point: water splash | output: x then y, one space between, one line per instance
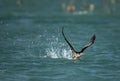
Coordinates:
56 49
58 53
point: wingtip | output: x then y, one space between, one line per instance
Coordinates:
94 36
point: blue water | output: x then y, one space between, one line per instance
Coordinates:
32 47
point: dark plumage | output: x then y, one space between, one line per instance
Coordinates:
80 53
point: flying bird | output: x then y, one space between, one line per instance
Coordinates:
76 54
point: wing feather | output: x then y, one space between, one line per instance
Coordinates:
89 43
71 47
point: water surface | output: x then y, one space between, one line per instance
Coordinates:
32 47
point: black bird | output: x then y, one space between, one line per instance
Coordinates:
76 54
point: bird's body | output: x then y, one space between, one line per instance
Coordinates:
77 55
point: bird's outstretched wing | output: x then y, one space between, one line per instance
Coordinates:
71 47
89 43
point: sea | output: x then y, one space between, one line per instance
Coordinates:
32 47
